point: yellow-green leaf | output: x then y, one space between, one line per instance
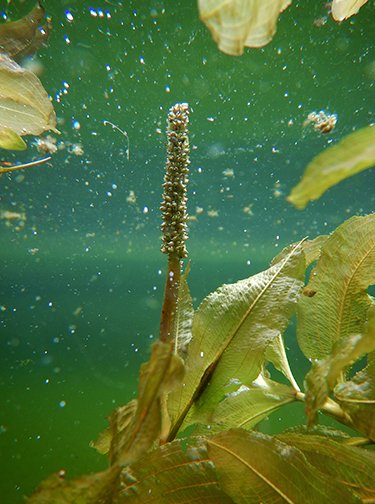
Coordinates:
25 107
11 141
235 25
254 468
352 154
245 315
324 374
336 301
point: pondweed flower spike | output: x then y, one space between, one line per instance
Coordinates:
174 212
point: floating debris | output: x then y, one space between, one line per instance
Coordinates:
322 122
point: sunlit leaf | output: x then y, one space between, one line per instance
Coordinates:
357 398
254 468
342 9
324 374
235 24
311 249
87 489
247 406
173 474
25 107
351 155
345 269
245 315
11 141
350 465
276 354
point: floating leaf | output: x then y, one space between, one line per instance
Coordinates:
253 468
11 141
323 376
345 269
25 107
245 315
351 155
342 9
235 24
330 454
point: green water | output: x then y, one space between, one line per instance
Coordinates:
82 280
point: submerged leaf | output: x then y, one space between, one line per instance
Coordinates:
247 406
345 269
324 374
87 489
163 371
173 474
253 468
11 141
247 316
276 354
25 107
357 398
351 155
24 37
342 9
235 24
349 465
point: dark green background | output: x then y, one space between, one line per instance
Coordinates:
99 252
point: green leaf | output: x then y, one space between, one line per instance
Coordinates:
133 432
25 107
351 155
245 315
276 354
11 141
247 406
173 474
24 37
338 307
254 468
357 398
87 489
350 465
324 374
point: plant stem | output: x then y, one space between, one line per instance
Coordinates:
332 409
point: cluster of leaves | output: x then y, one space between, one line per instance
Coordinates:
25 107
213 377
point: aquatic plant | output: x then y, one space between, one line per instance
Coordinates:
208 372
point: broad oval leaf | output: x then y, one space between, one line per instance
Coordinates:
345 269
25 107
342 9
236 24
354 153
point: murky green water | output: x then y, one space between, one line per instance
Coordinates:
82 277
